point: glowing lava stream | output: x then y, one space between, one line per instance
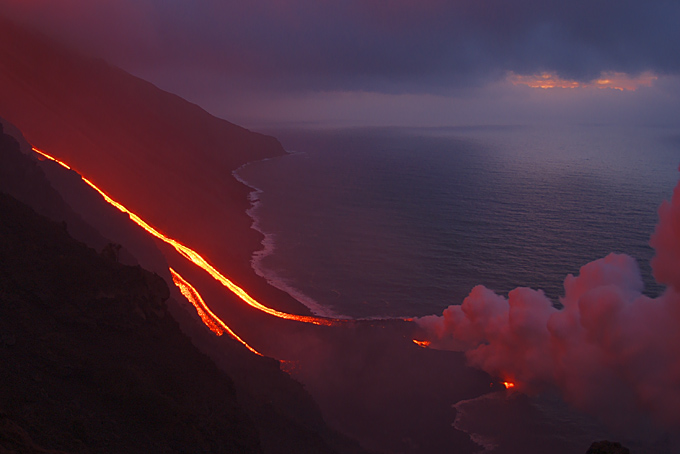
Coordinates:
196 258
209 318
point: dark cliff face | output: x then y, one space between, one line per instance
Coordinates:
20 177
92 362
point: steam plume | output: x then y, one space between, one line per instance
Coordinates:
611 350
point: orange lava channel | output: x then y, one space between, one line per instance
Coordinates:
196 258
420 343
508 384
211 320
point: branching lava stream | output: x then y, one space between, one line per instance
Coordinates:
198 260
209 318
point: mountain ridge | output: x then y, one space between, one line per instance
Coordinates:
164 158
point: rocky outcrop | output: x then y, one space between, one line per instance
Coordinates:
607 447
91 360
20 177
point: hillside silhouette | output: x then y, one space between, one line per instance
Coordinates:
93 360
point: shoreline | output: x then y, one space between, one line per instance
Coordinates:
268 244
164 158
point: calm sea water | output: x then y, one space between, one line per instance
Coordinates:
404 222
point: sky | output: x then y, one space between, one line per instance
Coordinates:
402 62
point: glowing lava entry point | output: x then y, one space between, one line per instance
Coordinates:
423 344
196 258
211 320
508 384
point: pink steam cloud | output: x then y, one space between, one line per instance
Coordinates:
611 351
666 243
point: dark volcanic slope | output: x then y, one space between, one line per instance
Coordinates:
91 360
164 158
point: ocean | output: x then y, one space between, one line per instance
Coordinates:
403 222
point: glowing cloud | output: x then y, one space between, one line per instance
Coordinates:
613 80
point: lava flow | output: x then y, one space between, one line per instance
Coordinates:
196 258
508 384
209 318
420 343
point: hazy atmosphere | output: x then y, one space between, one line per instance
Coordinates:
424 227
431 63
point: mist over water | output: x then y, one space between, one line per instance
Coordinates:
405 222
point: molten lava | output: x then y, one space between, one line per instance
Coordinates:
420 343
508 384
211 320
196 258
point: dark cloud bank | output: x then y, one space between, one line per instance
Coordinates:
399 46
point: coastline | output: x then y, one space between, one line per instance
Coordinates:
268 244
164 158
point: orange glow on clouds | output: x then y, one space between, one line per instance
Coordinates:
199 261
613 80
209 318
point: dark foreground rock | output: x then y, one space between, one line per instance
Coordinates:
91 361
607 447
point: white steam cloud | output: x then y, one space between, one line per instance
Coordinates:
611 350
